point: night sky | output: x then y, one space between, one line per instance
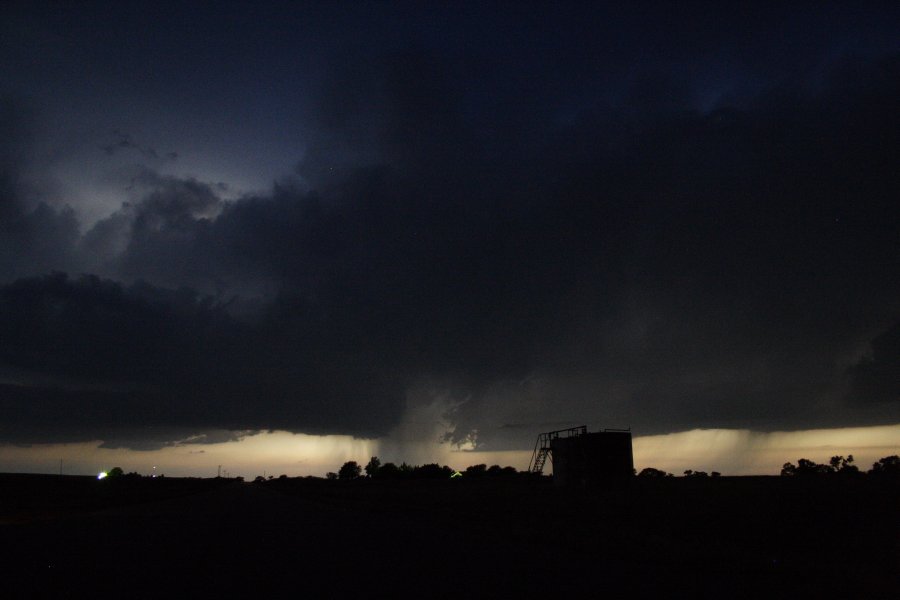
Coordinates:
333 218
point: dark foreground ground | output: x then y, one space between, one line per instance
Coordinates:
725 537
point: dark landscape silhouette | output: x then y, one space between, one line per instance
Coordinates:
431 531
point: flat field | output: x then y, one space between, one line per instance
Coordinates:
488 537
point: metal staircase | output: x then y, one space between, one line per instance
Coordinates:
542 446
538 460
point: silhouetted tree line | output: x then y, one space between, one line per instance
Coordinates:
261 479
889 466
701 474
374 469
492 471
650 473
116 473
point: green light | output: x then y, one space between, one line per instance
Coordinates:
455 475
101 475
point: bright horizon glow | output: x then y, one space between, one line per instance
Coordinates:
745 452
729 451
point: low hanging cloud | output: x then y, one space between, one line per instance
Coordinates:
91 359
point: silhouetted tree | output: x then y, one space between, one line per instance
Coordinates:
115 472
843 466
331 475
259 479
690 473
373 466
432 471
889 466
651 472
387 471
806 468
350 470
475 470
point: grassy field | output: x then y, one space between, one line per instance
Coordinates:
489 537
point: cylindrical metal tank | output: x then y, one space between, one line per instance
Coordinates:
593 459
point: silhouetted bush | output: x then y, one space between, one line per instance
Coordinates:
331 475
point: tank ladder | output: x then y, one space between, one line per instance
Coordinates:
542 446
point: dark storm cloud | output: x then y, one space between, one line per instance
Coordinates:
35 236
876 378
543 234
96 360
124 141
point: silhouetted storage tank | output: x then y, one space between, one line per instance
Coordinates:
592 459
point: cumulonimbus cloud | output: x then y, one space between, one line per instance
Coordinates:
713 269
